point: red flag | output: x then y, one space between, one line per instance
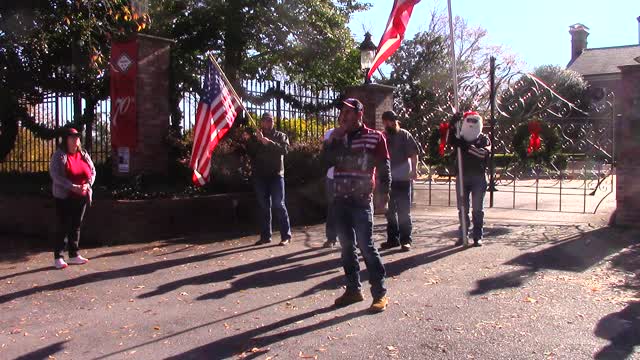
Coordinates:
216 113
124 70
393 35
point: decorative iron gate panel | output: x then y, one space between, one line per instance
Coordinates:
579 179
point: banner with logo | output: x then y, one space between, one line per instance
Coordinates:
124 69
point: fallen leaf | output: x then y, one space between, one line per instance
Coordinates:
305 356
530 299
156 328
392 348
184 294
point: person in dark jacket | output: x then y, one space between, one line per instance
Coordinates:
73 174
476 148
266 150
358 154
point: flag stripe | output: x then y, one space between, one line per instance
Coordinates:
216 113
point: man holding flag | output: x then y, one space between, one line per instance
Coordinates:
267 149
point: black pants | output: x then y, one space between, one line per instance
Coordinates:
69 215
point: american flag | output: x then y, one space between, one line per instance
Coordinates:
216 113
394 34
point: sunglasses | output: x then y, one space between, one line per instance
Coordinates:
472 120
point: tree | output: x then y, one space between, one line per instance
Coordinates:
56 46
422 76
306 41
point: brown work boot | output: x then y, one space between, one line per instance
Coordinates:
348 298
379 304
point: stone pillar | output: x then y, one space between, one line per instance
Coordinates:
151 155
376 99
628 164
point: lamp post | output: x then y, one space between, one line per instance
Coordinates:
367 54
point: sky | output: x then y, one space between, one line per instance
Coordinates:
536 30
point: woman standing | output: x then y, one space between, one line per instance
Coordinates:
73 174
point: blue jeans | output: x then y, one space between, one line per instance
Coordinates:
399 224
270 193
331 232
355 228
475 187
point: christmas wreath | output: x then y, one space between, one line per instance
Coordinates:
535 142
436 146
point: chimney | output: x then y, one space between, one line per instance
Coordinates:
579 34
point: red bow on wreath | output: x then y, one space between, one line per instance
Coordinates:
535 142
444 129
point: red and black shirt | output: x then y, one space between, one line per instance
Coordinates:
358 157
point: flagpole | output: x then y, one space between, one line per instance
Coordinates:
456 101
224 77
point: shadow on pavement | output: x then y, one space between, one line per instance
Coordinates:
232 272
576 254
622 328
46 352
260 338
123 272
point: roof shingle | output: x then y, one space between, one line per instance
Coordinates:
605 60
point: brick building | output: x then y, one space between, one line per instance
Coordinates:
600 66
616 69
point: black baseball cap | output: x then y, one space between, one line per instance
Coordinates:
389 115
71 132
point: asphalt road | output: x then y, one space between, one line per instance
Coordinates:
546 286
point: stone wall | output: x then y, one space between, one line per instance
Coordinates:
112 222
628 165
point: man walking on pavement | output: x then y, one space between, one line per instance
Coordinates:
403 150
267 149
358 153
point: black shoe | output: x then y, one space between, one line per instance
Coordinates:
329 244
477 242
387 245
460 242
405 247
262 242
285 242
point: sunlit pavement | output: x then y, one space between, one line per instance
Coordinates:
546 285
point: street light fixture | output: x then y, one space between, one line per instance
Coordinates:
367 54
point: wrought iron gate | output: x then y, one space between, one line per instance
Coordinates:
579 180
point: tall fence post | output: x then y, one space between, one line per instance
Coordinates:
278 105
492 97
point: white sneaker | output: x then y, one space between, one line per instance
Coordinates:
78 260
59 263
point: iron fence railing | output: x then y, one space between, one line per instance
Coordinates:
303 113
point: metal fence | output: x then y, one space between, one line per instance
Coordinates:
303 113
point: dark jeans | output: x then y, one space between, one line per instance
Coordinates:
475 187
399 214
69 215
330 228
270 194
355 228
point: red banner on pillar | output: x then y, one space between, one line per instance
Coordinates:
124 69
